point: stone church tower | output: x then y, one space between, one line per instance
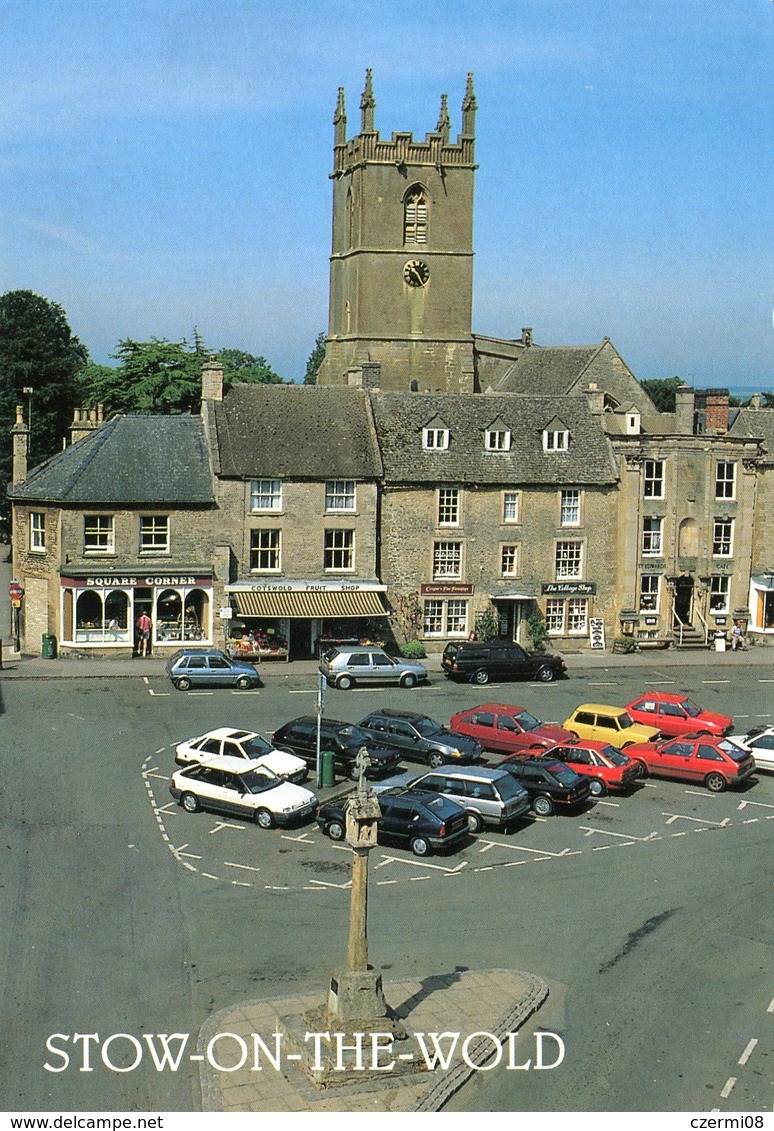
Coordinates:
401 281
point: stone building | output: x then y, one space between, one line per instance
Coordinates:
758 423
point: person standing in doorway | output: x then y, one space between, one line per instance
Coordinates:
144 626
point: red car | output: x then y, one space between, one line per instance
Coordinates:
509 730
675 715
704 759
609 769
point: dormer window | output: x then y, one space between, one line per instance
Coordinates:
556 440
498 440
435 438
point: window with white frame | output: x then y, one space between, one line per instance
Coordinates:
99 534
266 551
498 440
722 537
577 616
509 561
154 534
266 495
456 617
339 552
435 439
511 506
555 608
650 587
653 484
340 495
568 561
652 543
556 440
725 480
447 560
448 506
570 507
433 619
445 618
720 587
37 532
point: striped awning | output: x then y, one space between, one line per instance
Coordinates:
305 606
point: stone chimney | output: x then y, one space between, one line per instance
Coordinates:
717 410
596 398
684 410
755 401
85 420
21 446
526 336
212 379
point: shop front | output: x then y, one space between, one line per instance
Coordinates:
100 611
762 603
294 620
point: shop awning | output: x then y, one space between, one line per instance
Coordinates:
305 606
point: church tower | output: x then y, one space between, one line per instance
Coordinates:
401 279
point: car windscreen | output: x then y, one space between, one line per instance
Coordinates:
256 747
625 720
427 727
614 757
564 774
258 781
734 752
690 708
528 721
508 787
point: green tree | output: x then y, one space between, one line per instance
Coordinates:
315 360
157 376
238 365
662 392
38 351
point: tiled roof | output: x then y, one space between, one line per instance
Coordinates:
296 431
551 369
400 419
757 423
128 460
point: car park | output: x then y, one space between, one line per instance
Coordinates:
208 667
488 795
417 738
703 759
674 715
344 667
253 792
608 724
608 769
760 743
507 730
413 820
550 784
480 663
233 748
344 740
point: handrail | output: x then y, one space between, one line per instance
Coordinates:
704 625
676 619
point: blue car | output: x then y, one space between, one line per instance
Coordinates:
208 667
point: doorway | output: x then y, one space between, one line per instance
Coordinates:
684 599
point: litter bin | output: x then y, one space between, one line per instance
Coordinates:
328 777
48 646
720 642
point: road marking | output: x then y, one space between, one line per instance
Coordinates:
240 884
201 693
716 681
623 836
746 1054
422 864
328 884
251 691
180 853
311 692
542 852
158 694
209 875
699 820
303 837
247 867
762 804
600 683
226 825
771 1006
728 1087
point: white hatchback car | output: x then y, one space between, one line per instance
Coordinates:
760 743
231 749
253 792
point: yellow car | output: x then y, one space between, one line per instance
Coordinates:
608 724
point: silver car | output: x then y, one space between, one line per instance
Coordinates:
488 794
343 667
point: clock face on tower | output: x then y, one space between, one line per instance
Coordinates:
416 273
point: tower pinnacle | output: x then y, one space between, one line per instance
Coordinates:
340 120
444 122
469 107
367 105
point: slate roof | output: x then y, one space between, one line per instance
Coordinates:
127 461
400 419
551 369
757 423
296 432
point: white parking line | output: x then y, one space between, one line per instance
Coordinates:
542 852
699 820
728 1087
226 825
622 836
422 864
247 867
746 1054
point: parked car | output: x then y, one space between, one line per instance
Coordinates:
674 715
488 795
208 667
704 759
480 663
608 769
414 820
551 785
344 666
507 730
608 724
232 748
418 738
760 743
253 792
299 737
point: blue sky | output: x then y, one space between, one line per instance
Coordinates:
164 166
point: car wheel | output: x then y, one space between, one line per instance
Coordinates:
190 803
475 824
543 806
408 680
419 846
244 683
481 676
344 682
435 760
642 769
625 744
546 675
335 830
264 819
597 787
715 783
182 683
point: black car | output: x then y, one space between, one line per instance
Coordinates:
551 785
480 663
419 821
418 738
345 740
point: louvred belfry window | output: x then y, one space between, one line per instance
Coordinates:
415 218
